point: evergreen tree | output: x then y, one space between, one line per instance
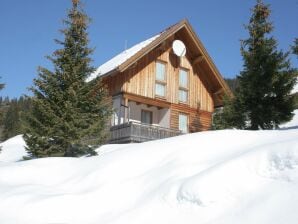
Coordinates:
233 83
12 124
1 87
67 112
295 47
229 116
1 102
263 97
11 121
295 51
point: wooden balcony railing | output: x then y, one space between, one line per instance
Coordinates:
139 132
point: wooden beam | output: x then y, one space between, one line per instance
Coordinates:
198 59
146 100
219 91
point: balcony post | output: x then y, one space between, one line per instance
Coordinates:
126 109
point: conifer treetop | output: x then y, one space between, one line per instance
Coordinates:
263 99
69 115
295 47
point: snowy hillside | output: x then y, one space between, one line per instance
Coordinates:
293 124
218 177
13 149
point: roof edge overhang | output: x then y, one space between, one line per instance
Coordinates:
224 87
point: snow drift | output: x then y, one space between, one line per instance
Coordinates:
13 149
210 177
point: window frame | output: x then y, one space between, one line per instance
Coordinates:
151 116
161 82
187 122
183 88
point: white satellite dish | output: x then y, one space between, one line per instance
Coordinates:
179 48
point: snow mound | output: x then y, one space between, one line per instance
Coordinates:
293 124
209 177
13 149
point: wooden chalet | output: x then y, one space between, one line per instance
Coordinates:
157 94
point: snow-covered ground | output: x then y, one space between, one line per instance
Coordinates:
219 177
12 150
293 124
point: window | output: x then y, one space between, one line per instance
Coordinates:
146 117
183 123
183 85
160 89
160 79
183 95
160 71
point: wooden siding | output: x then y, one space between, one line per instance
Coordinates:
114 83
140 79
197 120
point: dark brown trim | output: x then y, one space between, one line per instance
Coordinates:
146 100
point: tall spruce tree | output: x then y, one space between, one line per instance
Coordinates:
1 85
295 51
295 47
265 84
69 116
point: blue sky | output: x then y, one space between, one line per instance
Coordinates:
29 27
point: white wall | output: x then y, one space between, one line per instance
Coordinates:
164 118
160 117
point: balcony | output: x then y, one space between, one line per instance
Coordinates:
139 132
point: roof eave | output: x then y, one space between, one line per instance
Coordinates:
112 72
204 52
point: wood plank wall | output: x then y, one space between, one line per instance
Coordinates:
139 79
198 120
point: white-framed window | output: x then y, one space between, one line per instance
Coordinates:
183 123
160 79
183 85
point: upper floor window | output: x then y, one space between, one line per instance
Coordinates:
160 79
183 85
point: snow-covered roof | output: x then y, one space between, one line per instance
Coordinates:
120 58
